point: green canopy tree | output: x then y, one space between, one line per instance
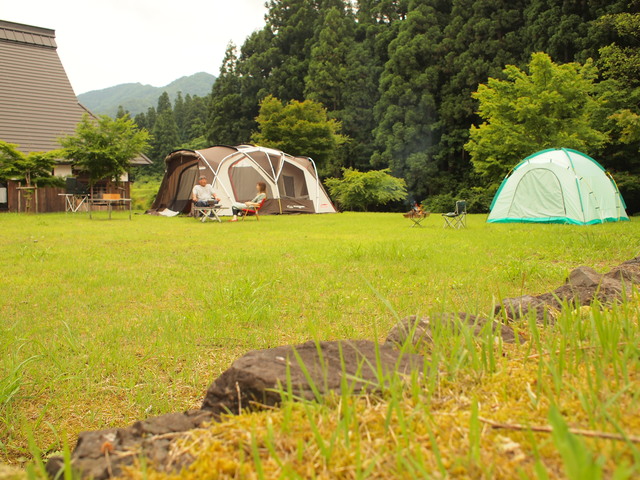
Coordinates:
34 168
299 128
551 106
104 147
366 190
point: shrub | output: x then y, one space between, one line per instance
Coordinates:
366 190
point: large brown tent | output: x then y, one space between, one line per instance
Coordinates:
292 182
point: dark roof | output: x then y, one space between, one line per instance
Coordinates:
37 103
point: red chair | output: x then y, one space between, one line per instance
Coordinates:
253 210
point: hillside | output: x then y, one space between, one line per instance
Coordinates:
137 98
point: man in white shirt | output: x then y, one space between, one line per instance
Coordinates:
203 193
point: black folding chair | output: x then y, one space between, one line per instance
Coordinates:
457 218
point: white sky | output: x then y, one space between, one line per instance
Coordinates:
103 43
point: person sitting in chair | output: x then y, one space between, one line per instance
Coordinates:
203 193
237 207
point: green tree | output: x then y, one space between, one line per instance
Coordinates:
366 190
299 128
552 106
406 134
232 110
165 133
32 167
104 147
481 36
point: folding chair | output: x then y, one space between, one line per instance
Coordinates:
457 218
253 210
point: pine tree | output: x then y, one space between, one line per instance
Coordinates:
406 134
165 133
231 116
481 37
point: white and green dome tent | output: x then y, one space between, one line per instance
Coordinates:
558 186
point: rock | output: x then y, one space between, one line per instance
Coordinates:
419 330
517 307
254 379
102 454
584 277
583 286
627 273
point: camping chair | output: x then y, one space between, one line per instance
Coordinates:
457 218
253 210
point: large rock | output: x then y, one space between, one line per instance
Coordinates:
101 454
255 378
583 286
627 273
419 331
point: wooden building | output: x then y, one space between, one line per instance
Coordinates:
37 106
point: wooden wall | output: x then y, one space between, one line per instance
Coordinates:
49 199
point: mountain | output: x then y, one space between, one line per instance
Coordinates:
137 98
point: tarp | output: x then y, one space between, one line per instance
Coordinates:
293 185
558 186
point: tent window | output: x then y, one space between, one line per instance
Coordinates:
289 186
243 182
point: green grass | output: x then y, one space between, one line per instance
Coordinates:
107 322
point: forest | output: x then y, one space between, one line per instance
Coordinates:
400 79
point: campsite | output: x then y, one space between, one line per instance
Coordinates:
136 318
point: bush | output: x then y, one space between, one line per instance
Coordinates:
478 200
366 190
629 186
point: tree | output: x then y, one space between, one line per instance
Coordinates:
33 167
366 190
552 106
299 128
407 130
231 119
165 133
104 147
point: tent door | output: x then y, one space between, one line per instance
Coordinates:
185 187
538 195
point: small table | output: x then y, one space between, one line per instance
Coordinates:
417 218
73 201
210 212
109 202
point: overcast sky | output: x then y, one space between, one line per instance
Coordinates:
103 43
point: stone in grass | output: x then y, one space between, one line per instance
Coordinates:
102 454
254 379
517 307
627 272
583 286
420 330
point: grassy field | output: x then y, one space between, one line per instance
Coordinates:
107 322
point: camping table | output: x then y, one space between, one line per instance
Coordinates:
417 218
73 201
109 202
210 212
